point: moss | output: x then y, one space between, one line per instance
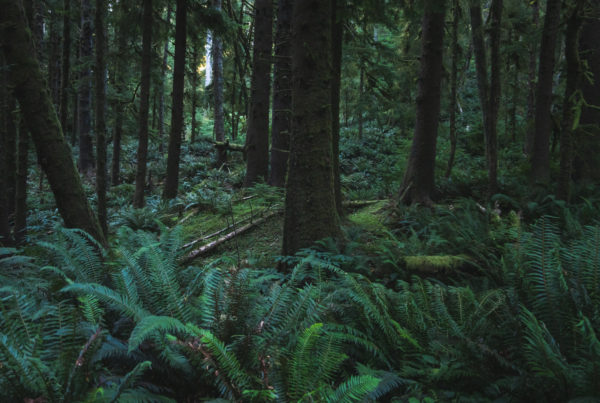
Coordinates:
435 264
369 218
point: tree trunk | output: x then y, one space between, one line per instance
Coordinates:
86 152
540 153
587 146
194 73
32 93
9 155
65 84
495 90
257 137
310 211
217 79
361 90
5 149
453 86
118 105
535 9
418 182
172 181
100 78
570 103
54 59
161 87
142 150
337 7
282 95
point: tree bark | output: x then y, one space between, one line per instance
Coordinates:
142 150
310 211
172 181
540 153
337 7
161 87
257 136
194 73
535 9
5 117
65 84
217 71
32 93
100 81
282 95
570 102
418 183
453 86
118 104
86 152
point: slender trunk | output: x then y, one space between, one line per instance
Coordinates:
65 84
336 83
86 152
495 91
161 88
361 90
570 100
418 183
172 181
5 134
310 211
282 95
540 154
217 79
100 81
142 150
194 73
10 158
535 9
32 93
119 107
453 86
257 137
20 229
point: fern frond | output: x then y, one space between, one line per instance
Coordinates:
354 389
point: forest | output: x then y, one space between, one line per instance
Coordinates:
299 201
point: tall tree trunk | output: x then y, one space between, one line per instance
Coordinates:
172 181
418 183
161 87
32 93
489 91
65 84
310 212
540 153
142 150
54 59
20 228
570 104
217 79
337 7
194 73
86 152
282 95
119 105
535 9
5 150
495 91
10 158
100 81
257 137
453 86
361 91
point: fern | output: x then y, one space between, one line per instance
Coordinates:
354 389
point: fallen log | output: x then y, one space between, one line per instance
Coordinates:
214 234
360 203
228 146
212 245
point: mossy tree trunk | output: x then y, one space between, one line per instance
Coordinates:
142 149
418 182
453 86
531 75
540 153
217 82
100 85
20 228
65 84
310 212
119 82
31 90
337 27
257 137
172 180
282 95
194 74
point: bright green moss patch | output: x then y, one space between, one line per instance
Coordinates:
434 264
369 217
